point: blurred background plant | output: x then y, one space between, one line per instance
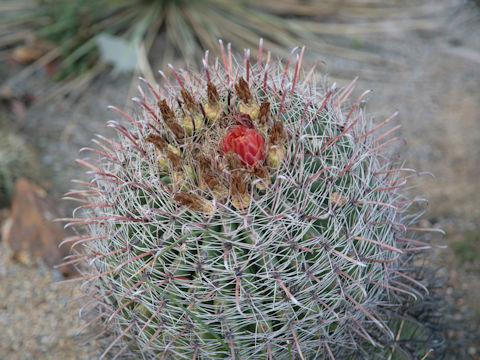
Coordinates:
73 40
17 159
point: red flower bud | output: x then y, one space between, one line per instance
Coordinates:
247 143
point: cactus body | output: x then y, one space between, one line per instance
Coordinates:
248 213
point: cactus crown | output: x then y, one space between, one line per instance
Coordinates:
247 213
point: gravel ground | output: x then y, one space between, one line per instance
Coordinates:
38 316
437 90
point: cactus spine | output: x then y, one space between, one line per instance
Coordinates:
247 213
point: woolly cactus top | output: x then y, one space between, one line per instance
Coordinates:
246 213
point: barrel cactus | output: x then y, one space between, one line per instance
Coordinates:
247 212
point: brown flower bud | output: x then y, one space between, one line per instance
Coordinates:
189 101
263 119
166 111
277 134
169 118
212 93
194 202
175 160
241 199
232 162
260 172
158 140
212 107
243 91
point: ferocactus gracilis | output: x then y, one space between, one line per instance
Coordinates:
248 212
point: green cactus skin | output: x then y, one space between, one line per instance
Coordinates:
305 256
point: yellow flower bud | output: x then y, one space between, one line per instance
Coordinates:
220 192
212 111
241 201
251 109
162 162
162 159
189 173
276 155
182 177
188 125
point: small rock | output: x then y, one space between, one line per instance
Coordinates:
30 231
28 53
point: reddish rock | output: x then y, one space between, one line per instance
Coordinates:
30 231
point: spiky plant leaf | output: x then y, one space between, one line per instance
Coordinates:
71 28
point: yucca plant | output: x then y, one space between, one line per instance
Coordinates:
67 33
249 212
